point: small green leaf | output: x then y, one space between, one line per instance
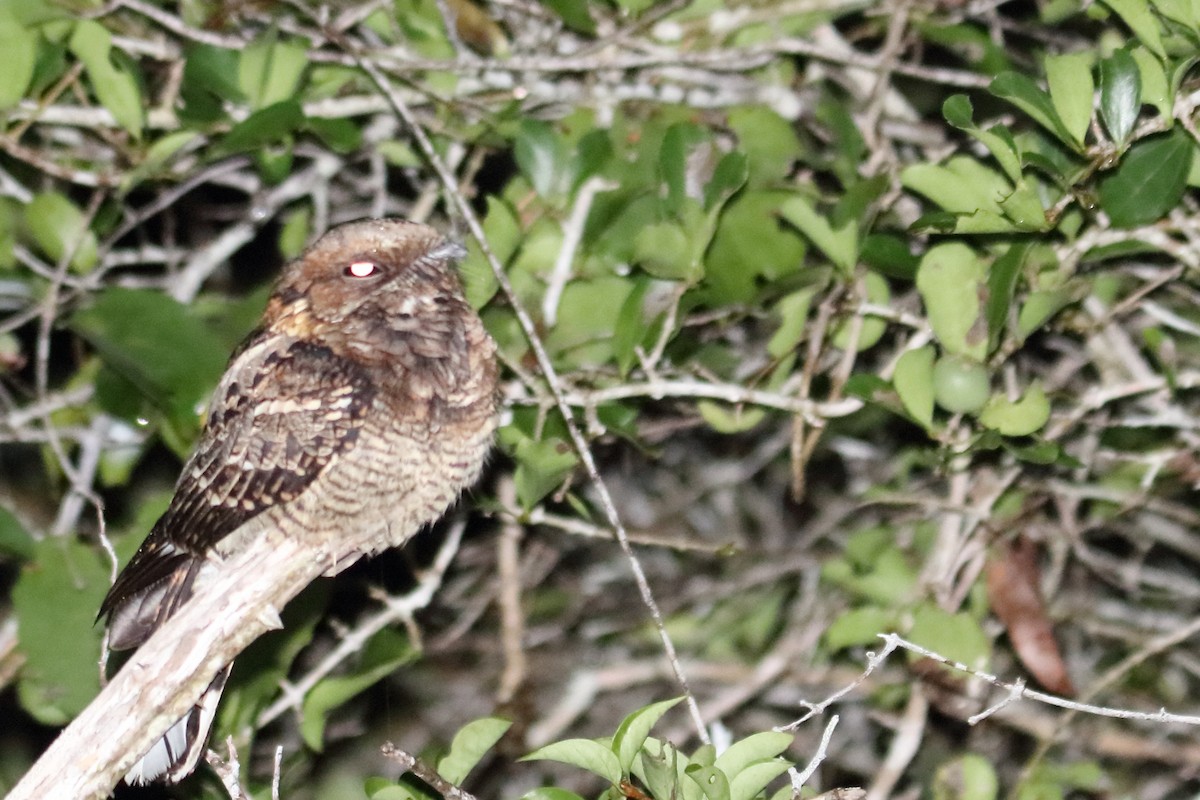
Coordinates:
951 283
55 600
1002 283
913 380
550 793
756 747
1120 95
57 226
859 627
970 777
158 345
386 651
792 311
265 126
469 746
958 112
634 729
115 85
748 783
575 16
1155 88
962 185
728 177
630 328
18 55
543 157
1020 418
1149 181
839 245
269 70
664 250
587 754
769 142
726 419
1021 91
15 541
712 782
678 143
1039 307
1141 20
1069 77
541 468
503 231
957 636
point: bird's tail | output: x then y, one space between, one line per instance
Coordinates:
173 757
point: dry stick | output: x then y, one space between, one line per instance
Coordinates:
508 597
548 371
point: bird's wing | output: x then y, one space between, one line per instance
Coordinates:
278 418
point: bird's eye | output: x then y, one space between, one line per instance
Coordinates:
361 269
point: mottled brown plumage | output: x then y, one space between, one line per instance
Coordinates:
365 402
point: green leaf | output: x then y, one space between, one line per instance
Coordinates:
1069 77
634 729
265 126
725 419
728 177
957 636
769 142
660 767
550 793
664 250
503 231
748 783
386 651
469 746
57 226
269 70
115 86
839 245
712 782
913 380
543 157
582 335
55 600
951 282
18 55
962 185
1021 91
15 541
575 15
1002 283
1140 19
158 345
630 328
859 627
1039 307
1020 418
958 112
587 754
673 161
970 777
1120 95
757 747
792 311
1149 181
541 468
1155 88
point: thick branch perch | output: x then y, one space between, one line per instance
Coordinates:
167 674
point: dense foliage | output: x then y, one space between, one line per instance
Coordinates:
878 318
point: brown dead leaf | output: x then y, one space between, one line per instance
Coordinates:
1013 586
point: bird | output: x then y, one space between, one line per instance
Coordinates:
362 405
